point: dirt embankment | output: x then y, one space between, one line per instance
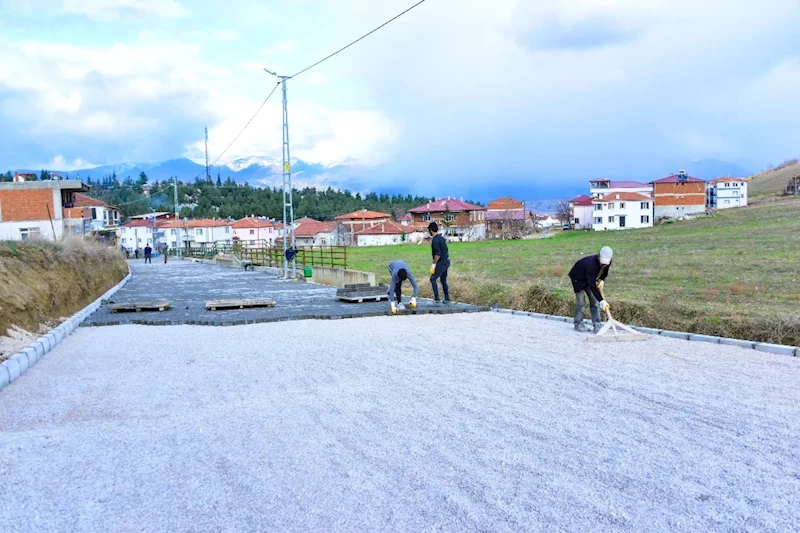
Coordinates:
44 282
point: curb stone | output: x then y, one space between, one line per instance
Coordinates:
765 347
20 362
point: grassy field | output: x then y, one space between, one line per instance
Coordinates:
736 274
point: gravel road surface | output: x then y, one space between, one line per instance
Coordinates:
468 422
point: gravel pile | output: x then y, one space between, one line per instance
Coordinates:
471 422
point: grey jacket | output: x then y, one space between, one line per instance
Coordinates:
394 268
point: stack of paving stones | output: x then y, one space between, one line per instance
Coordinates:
363 291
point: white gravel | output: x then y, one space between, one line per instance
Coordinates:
479 422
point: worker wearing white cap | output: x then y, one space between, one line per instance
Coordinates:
588 277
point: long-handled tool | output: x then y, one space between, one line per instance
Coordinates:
611 329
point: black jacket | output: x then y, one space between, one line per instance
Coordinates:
586 272
439 247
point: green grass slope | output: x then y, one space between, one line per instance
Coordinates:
735 274
773 181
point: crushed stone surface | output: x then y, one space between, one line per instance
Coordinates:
468 422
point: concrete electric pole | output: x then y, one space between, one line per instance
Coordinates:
288 204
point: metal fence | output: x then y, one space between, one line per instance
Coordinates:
260 253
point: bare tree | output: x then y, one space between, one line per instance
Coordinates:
564 213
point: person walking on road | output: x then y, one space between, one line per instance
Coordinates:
400 272
588 277
441 263
165 250
148 254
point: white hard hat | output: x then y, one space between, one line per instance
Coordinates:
605 255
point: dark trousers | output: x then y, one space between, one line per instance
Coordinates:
441 273
594 309
148 259
398 292
165 257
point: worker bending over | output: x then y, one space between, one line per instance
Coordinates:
400 272
441 263
588 277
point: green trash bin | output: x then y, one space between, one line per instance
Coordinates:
307 272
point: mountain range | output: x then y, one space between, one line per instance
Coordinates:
262 171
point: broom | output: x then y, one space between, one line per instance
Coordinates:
611 329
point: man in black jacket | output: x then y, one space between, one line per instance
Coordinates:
441 262
588 277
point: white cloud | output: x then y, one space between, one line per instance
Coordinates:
115 10
60 163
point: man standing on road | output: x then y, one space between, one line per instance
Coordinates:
588 277
441 262
400 272
165 251
148 254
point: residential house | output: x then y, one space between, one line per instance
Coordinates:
103 216
406 220
603 186
546 221
255 231
679 195
723 193
136 234
506 217
205 232
20 177
457 219
793 186
315 233
622 210
147 216
385 234
362 219
41 209
581 212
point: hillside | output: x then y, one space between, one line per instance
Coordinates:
42 282
774 181
735 274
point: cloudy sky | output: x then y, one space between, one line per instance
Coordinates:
457 90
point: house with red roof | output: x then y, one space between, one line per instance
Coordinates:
386 234
255 231
724 193
457 219
103 215
507 218
622 210
362 219
312 232
679 195
581 212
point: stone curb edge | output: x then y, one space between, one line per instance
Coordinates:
19 363
766 347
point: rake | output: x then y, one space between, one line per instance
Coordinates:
614 330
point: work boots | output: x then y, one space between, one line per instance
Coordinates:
581 327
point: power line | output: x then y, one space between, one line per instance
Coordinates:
359 39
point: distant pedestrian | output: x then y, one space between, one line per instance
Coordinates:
148 254
166 252
136 252
441 263
588 277
400 272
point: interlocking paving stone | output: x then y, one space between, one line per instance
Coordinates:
189 285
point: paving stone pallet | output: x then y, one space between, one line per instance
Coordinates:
213 305
138 307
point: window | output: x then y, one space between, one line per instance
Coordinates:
645 205
252 232
727 201
598 220
611 205
449 217
611 219
94 213
577 221
645 219
426 217
227 229
123 240
598 207
172 232
28 233
198 231
622 205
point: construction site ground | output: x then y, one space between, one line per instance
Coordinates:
190 285
463 422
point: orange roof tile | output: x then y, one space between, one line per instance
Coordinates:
364 214
385 228
252 222
83 200
505 203
624 196
313 227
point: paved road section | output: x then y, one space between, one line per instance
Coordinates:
469 422
190 285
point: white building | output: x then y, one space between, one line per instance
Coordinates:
206 231
103 216
136 234
315 233
602 187
622 210
255 231
723 193
386 234
582 211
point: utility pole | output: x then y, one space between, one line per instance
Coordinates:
288 204
208 175
177 222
